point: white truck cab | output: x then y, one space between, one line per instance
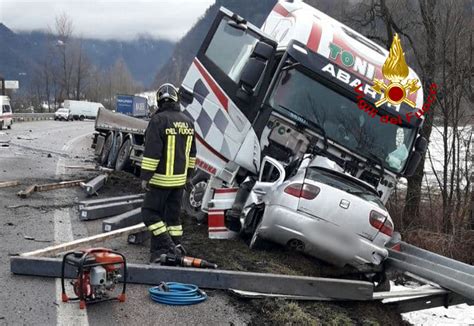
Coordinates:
288 88
6 114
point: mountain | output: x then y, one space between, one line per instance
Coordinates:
185 50
21 53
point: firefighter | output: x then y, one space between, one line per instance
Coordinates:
167 166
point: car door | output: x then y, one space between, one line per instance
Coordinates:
209 92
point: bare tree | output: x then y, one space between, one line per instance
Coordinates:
63 32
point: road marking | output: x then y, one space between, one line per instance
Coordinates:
67 313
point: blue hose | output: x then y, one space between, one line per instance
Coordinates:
177 294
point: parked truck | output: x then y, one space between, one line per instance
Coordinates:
135 106
81 110
278 125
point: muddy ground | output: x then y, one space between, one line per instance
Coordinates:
235 255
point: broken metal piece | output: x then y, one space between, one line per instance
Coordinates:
27 192
108 200
92 186
153 274
109 209
129 218
6 184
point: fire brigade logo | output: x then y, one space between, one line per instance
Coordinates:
395 69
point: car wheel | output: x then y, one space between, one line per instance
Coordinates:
55 118
123 157
257 242
192 200
81 118
9 126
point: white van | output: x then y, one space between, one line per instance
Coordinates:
82 109
6 115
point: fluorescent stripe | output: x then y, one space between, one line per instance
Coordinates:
175 233
159 231
173 151
188 149
170 154
175 228
156 226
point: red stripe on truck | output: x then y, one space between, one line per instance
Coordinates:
215 88
212 150
314 37
281 10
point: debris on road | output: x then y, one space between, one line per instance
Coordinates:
5 184
92 186
46 187
100 208
129 218
81 167
27 237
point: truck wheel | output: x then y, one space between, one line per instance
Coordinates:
82 118
104 155
10 126
192 200
123 157
115 150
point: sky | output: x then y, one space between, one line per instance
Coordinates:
107 19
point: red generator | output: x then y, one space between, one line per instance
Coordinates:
98 272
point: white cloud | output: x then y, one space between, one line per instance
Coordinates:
105 19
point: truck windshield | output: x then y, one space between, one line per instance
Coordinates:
305 99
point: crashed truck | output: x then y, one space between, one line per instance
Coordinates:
283 151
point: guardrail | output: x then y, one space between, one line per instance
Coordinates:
20 117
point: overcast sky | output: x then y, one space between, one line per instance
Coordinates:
106 19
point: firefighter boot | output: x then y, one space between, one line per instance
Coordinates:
161 244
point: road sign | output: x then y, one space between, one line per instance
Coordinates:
12 84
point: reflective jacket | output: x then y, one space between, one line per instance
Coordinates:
170 150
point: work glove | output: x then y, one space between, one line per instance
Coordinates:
189 185
145 185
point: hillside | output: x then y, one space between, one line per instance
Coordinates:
174 70
20 54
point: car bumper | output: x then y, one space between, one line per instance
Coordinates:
321 239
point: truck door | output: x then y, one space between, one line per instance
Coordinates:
210 90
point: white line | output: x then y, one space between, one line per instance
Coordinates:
67 313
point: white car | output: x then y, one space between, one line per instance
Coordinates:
321 211
63 114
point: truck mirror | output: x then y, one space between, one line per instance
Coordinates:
253 69
412 163
251 74
421 144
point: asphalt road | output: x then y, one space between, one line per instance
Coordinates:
40 152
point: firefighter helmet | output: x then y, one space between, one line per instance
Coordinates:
167 93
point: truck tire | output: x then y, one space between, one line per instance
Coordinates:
123 157
104 155
82 118
114 150
10 125
192 199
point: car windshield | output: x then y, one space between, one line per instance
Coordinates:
300 95
340 182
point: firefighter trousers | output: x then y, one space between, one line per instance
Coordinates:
161 214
